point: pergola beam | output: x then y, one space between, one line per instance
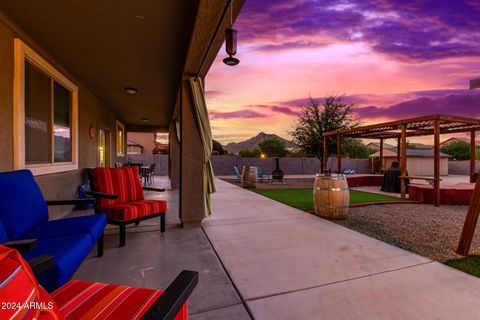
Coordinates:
381 155
419 126
403 165
436 164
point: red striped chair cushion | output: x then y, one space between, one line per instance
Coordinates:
135 209
123 182
20 294
86 300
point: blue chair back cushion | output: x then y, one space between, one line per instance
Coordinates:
3 233
22 205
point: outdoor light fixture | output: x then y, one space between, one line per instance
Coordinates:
231 47
231 42
130 90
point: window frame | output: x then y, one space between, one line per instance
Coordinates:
22 54
120 153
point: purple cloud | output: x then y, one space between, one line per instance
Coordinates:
240 114
410 31
458 104
253 111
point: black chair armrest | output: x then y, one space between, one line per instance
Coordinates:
41 263
173 298
102 195
70 202
154 189
21 245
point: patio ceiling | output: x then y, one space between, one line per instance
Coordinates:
420 126
109 45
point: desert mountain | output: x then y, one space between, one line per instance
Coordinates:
252 143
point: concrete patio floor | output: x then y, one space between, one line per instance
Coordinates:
287 264
261 259
153 260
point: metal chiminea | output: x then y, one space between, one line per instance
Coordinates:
277 174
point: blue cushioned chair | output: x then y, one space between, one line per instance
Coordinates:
237 174
24 215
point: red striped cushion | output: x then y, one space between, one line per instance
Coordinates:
123 182
84 300
20 294
135 209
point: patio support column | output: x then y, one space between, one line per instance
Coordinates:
192 197
381 156
436 163
324 166
174 158
398 149
403 165
339 153
472 155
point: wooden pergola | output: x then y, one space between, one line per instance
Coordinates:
435 125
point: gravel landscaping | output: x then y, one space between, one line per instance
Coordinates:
429 231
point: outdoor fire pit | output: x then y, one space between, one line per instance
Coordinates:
277 173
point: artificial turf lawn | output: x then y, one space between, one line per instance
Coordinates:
469 265
302 199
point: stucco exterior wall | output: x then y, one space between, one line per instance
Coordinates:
91 111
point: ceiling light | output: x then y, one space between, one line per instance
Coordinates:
145 119
130 90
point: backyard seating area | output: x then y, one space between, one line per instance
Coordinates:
55 249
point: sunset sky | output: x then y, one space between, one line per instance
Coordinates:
392 60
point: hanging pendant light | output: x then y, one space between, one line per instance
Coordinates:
231 42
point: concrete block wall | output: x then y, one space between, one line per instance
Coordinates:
160 160
223 165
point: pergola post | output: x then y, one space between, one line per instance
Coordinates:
470 222
403 165
398 149
472 155
324 159
339 154
381 156
436 163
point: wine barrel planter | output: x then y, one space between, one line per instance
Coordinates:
331 196
249 177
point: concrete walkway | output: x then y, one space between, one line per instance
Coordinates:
287 264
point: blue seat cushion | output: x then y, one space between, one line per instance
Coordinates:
3 233
22 205
69 253
92 225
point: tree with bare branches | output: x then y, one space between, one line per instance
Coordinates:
317 117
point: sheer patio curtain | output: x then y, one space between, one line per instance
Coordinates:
203 124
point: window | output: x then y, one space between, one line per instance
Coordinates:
45 115
120 141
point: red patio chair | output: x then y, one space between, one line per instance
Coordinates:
120 196
23 298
